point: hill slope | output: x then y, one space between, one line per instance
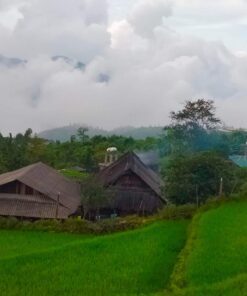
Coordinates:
64 133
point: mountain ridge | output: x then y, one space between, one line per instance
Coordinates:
64 133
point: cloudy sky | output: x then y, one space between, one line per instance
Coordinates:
142 59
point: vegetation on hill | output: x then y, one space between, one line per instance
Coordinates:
81 151
194 178
64 134
194 154
196 161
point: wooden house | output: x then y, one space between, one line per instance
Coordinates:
38 192
136 189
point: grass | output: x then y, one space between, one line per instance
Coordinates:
131 263
221 247
15 243
140 262
214 260
236 286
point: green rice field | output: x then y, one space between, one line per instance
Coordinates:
163 258
217 260
131 263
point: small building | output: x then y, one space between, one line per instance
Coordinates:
239 160
136 188
38 192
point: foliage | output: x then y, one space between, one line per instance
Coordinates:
82 151
131 263
74 174
237 142
76 225
173 212
200 113
194 129
197 177
94 196
82 134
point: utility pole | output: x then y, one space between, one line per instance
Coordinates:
221 187
197 197
57 205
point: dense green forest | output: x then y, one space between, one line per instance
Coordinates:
193 153
23 149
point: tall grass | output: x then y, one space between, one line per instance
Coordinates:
134 262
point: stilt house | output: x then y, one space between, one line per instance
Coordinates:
38 192
136 189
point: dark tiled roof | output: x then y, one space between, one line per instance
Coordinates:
130 161
47 181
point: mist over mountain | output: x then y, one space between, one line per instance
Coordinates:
64 133
11 62
73 62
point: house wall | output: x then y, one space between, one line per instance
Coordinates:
17 187
133 196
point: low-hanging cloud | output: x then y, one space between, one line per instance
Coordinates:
150 68
147 15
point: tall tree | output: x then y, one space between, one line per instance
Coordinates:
191 128
93 197
82 134
198 176
199 113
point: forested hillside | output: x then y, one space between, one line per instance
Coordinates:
64 133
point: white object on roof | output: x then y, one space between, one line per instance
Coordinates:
111 149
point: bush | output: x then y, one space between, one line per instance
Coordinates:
173 212
75 225
9 223
46 225
121 224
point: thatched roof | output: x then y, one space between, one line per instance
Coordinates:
31 207
48 182
130 162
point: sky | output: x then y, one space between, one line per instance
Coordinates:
142 59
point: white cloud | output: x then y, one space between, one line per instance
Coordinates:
77 29
152 68
148 14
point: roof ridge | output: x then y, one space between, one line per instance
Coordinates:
137 166
150 172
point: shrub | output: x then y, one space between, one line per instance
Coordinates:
46 225
173 212
9 223
75 225
121 224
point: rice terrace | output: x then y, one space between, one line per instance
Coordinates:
166 257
